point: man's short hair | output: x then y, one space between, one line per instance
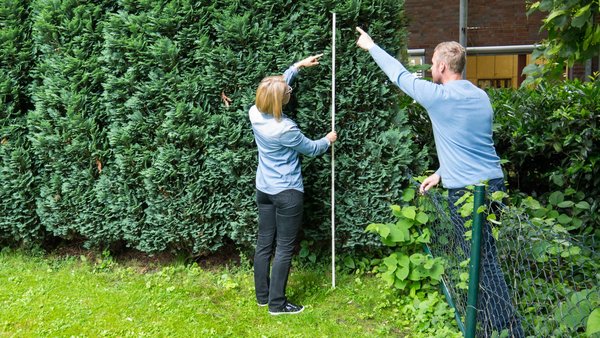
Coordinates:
453 54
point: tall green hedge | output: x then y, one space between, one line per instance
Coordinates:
67 126
19 222
131 141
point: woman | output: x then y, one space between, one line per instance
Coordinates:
279 188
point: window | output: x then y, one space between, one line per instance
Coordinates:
417 61
495 83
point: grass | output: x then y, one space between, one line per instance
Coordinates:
78 296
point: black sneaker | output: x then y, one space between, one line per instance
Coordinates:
288 309
262 304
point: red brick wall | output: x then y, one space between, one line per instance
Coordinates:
431 22
491 22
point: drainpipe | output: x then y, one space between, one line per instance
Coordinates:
462 23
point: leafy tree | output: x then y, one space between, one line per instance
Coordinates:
573 36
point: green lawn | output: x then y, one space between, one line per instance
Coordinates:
63 297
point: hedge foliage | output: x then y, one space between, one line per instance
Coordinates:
550 136
114 128
18 178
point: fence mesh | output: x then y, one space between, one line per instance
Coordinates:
547 281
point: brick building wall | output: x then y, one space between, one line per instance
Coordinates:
490 22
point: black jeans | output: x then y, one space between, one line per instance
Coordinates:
279 220
496 312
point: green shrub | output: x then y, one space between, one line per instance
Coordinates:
407 266
132 140
67 124
19 223
550 136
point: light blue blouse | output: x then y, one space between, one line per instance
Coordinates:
279 145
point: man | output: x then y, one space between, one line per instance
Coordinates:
461 115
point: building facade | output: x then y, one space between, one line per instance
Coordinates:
499 37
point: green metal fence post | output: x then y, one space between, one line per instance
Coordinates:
471 320
447 294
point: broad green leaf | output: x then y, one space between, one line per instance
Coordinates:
593 323
417 259
564 219
388 242
498 195
557 147
404 223
576 223
533 7
583 205
408 195
303 252
565 204
580 21
582 16
466 209
574 311
388 277
558 180
531 69
384 230
437 271
495 233
415 275
553 214
555 14
402 272
400 284
409 212
546 5
424 237
556 197
399 234
463 198
428 264
571 251
391 262
403 260
422 217
349 262
373 227
396 210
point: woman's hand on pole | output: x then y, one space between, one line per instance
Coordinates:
309 61
332 136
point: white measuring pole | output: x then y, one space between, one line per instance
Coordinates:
333 157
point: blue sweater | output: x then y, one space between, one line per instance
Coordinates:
461 116
279 145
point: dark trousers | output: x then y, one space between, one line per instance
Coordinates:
279 220
495 310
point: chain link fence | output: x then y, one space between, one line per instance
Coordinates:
537 279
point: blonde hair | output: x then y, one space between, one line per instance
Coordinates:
269 95
453 54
